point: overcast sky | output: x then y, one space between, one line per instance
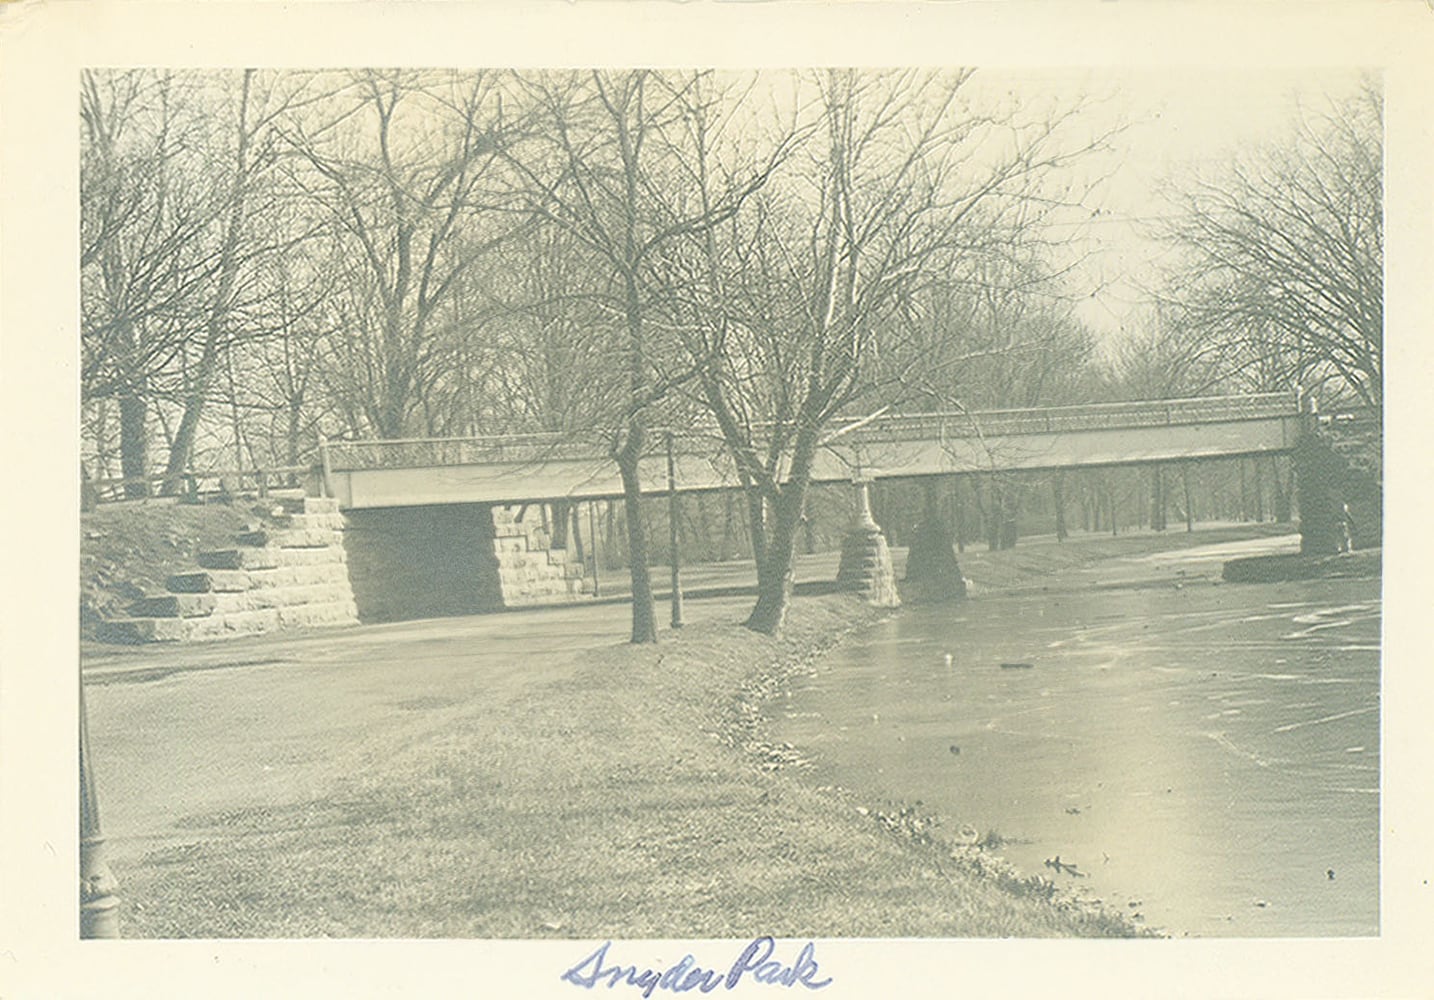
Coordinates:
1176 123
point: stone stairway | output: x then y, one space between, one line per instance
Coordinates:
287 572
528 569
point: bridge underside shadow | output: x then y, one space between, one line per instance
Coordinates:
425 562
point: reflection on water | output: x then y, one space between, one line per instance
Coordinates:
1207 754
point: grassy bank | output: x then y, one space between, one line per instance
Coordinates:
638 797
634 799
128 549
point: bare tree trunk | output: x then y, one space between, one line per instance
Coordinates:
562 516
775 572
1010 509
217 331
1110 501
291 435
1244 491
134 443
960 515
1157 498
577 535
644 617
728 519
1283 490
1259 490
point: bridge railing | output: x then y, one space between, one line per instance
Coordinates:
537 448
1060 419
420 452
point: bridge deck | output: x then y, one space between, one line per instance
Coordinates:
528 467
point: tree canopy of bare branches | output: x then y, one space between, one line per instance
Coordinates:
1287 249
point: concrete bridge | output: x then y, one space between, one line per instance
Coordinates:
526 468
417 528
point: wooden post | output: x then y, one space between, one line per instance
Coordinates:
672 515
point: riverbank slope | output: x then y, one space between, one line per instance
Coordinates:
633 799
633 795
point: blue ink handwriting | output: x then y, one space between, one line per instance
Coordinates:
755 962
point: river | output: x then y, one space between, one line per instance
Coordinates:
1206 755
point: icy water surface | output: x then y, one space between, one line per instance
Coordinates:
1207 754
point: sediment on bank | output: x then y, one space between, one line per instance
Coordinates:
1360 564
637 798
1029 564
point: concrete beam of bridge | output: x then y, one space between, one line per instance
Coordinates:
872 453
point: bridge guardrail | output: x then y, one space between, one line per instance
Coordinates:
556 446
1101 416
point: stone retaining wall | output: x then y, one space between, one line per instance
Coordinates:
289 572
310 565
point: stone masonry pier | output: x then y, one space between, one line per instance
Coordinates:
422 562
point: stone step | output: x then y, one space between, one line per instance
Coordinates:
133 631
300 575
281 597
247 558
310 521
333 555
291 538
173 606
207 581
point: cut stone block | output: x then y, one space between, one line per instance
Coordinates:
310 522
283 597
237 623
300 576
330 556
205 581
291 538
173 606
140 630
250 558
309 615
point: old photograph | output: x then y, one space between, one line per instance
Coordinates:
764 506
422 408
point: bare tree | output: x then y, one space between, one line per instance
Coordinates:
405 170
1288 250
144 258
809 295
606 177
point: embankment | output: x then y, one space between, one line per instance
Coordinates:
638 796
635 798
1360 564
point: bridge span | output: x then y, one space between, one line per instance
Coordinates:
522 468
